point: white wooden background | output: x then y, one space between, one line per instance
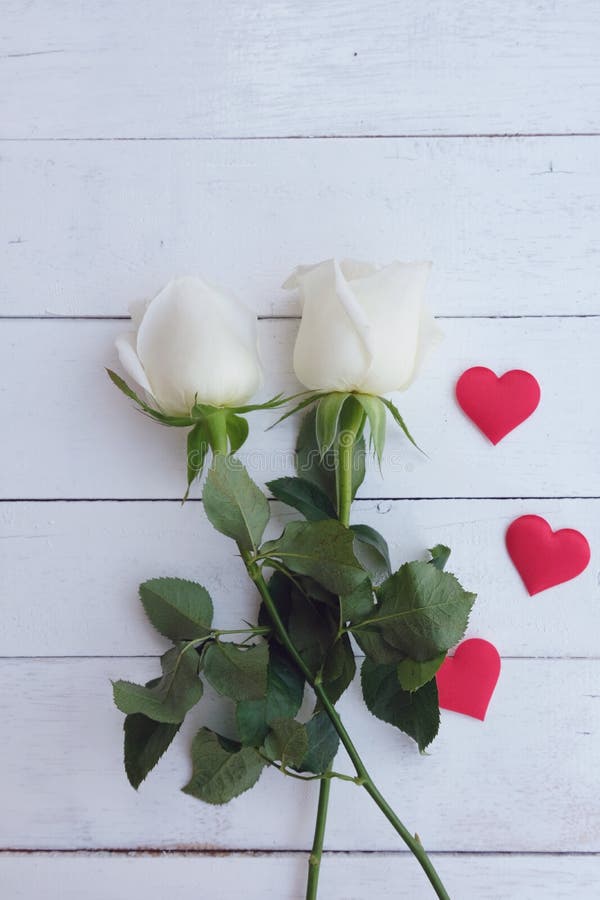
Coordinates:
145 139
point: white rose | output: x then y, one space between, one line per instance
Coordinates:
194 342
363 328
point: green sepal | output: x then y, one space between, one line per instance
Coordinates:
374 408
173 421
237 431
329 409
400 421
198 445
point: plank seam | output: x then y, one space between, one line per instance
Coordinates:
265 852
426 136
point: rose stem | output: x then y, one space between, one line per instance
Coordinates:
351 427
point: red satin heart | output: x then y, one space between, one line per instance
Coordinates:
466 681
542 557
497 405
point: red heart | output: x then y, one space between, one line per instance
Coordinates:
466 681
497 405
542 557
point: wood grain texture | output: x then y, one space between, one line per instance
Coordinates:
511 225
221 68
281 876
80 596
72 435
524 781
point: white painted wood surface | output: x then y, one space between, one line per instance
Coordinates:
91 557
512 225
523 781
343 876
87 440
90 221
220 68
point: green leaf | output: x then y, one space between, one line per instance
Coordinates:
145 743
321 472
322 550
197 448
339 668
376 647
179 609
304 496
287 742
412 674
323 744
399 421
312 631
237 432
372 551
172 696
234 504
237 672
329 408
221 769
416 713
285 690
439 556
358 604
375 410
422 611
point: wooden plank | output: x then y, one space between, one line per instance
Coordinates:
70 571
509 224
224 68
69 434
281 876
525 780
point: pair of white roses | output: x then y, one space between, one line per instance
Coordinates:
363 329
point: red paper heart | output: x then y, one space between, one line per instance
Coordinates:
542 557
466 681
497 405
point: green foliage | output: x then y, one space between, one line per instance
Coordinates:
375 646
329 409
416 713
321 471
287 742
399 421
237 672
237 431
145 742
198 445
170 697
304 496
371 550
339 668
180 610
285 689
412 674
422 611
323 550
358 604
175 421
323 744
439 556
375 411
222 769
234 504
